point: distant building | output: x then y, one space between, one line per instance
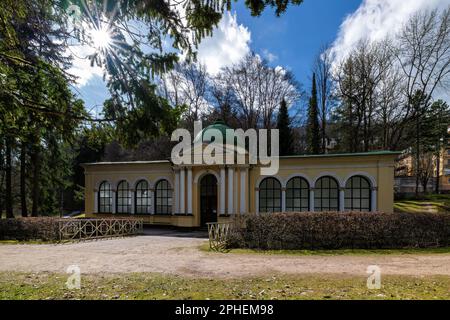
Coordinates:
405 180
444 172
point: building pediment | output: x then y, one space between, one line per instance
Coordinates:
211 153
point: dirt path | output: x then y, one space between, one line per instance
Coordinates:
171 253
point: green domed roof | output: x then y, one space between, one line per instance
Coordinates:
217 125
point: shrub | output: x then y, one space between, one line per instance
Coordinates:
335 230
23 229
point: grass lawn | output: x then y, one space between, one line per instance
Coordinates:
428 203
356 252
6 242
156 286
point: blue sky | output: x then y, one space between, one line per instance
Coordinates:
296 37
291 41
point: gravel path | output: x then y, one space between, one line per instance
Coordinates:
177 253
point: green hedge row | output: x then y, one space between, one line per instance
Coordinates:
335 230
24 229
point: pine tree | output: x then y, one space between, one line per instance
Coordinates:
313 129
283 125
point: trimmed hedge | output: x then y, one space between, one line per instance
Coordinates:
335 230
24 229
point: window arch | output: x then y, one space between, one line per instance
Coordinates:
297 194
163 197
270 195
123 197
142 198
105 198
357 194
326 194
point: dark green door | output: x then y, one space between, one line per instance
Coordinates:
208 199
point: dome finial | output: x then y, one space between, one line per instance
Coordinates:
219 121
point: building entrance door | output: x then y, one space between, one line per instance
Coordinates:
208 200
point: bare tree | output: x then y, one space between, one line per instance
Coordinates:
424 57
225 102
187 84
426 169
390 115
358 80
258 90
323 70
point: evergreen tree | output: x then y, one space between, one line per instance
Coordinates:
284 126
313 129
433 139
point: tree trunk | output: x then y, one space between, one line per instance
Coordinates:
438 168
417 155
324 137
424 185
35 184
9 199
1 202
1 179
23 189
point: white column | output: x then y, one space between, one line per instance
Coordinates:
95 202
256 200
133 203
341 199
176 191
243 195
152 201
182 185
311 200
113 202
230 190
222 190
373 199
189 191
235 192
283 199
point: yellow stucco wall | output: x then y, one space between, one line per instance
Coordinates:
378 168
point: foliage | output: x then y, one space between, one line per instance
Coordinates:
312 127
336 230
258 6
41 112
151 117
41 116
284 126
25 229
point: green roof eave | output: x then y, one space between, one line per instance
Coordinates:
356 154
123 162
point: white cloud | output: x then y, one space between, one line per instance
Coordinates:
376 19
229 43
81 65
269 56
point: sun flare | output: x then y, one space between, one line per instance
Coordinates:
101 37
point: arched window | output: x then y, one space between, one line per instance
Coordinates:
270 195
123 198
297 194
357 194
163 198
143 201
105 198
326 194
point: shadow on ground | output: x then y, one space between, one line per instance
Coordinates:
171 232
